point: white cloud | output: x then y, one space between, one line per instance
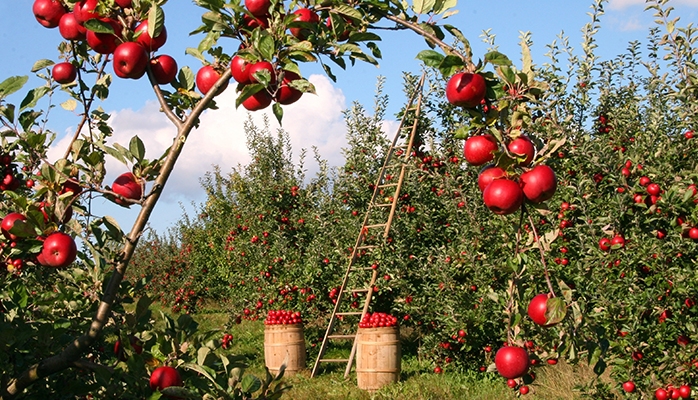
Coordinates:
622 4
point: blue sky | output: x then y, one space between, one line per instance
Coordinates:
315 120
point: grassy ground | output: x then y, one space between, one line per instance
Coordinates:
417 382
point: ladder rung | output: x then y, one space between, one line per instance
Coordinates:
334 360
384 205
349 313
360 290
367 247
386 185
341 336
375 226
362 269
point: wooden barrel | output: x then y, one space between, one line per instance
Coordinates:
378 357
284 343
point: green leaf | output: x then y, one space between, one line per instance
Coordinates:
247 91
113 227
423 6
69 105
33 97
250 384
278 112
11 85
430 58
8 112
364 36
555 311
186 78
497 58
41 64
196 53
201 355
156 20
98 26
137 148
266 46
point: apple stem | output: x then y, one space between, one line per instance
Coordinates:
542 255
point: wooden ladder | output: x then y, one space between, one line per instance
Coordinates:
379 216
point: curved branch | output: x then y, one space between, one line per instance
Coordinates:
161 99
72 352
433 39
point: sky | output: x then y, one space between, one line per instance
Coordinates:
316 120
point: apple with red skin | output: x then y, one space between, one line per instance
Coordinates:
144 39
653 189
479 150
286 94
128 186
257 101
303 15
130 60
123 3
693 233
261 66
64 73
253 22
688 135
618 240
512 383
258 8
522 147
206 78
136 345
539 184
644 181
104 43
465 89
164 377
605 244
511 361
537 308
239 69
164 69
503 196
84 10
661 394
438 370
48 12
58 251
70 28
488 174
629 386
524 390
344 35
685 391
8 222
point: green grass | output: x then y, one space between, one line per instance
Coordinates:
417 381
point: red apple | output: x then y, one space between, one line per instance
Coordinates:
511 361
488 174
307 16
618 240
164 377
252 22
144 39
537 308
206 78
70 28
629 386
261 66
123 3
522 147
341 36
465 89
58 251
130 60
503 196
8 222
285 93
84 10
239 68
605 244
48 12
164 69
128 186
258 8
653 189
644 181
479 150
693 233
257 101
688 135
104 43
685 391
661 394
539 184
64 72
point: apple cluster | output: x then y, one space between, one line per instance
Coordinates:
670 392
117 31
283 317
227 339
378 320
502 191
10 178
